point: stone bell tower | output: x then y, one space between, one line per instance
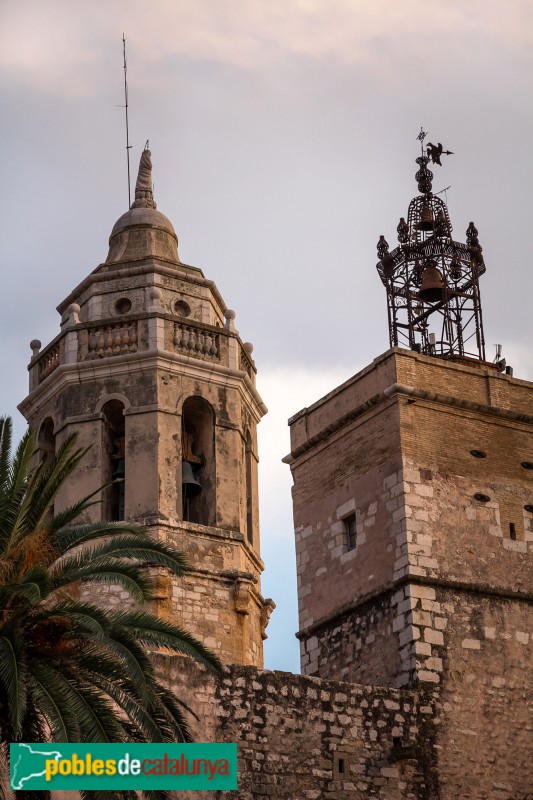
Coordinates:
150 371
413 511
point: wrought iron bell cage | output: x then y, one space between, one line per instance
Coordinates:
432 281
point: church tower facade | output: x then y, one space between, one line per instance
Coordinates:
150 372
413 511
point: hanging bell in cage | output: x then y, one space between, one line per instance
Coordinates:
441 228
432 286
417 274
426 222
455 271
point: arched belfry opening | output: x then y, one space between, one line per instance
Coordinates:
114 460
198 462
46 440
46 446
248 455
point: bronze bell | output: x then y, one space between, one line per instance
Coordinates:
455 271
189 481
432 286
119 472
426 222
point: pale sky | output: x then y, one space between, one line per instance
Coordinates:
283 137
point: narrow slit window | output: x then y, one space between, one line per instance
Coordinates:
350 529
512 531
341 766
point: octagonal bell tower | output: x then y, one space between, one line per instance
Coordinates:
150 371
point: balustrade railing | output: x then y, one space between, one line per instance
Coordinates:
119 338
108 340
48 362
196 341
245 363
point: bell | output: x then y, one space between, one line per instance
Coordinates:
432 286
189 481
426 222
120 471
455 271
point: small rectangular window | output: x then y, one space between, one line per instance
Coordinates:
350 529
512 531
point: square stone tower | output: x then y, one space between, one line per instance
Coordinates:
413 512
413 508
150 372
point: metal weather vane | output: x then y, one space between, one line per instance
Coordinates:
433 299
433 151
436 151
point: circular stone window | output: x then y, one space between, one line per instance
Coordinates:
181 308
123 305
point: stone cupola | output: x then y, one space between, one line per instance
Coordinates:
143 231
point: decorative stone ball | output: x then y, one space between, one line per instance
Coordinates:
248 346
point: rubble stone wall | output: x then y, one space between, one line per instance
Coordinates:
302 737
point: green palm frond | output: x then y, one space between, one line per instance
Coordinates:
87 618
159 633
45 483
68 538
5 448
13 672
71 670
55 697
34 586
169 712
134 661
109 571
148 551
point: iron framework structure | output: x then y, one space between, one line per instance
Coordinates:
432 281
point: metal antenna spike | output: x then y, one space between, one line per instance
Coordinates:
128 146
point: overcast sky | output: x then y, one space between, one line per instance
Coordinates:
283 137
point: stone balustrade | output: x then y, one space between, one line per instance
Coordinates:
245 363
48 362
109 338
196 341
116 339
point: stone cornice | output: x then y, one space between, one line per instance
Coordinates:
487 590
398 389
179 271
128 363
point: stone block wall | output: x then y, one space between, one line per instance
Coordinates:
467 738
484 719
301 737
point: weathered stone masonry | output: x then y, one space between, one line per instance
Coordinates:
433 458
303 737
413 511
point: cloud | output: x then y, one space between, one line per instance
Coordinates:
285 391
73 46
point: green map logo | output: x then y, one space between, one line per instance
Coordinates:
107 767
30 763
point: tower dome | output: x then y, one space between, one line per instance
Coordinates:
143 231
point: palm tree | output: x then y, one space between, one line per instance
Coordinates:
71 671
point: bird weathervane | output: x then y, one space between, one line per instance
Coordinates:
433 151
